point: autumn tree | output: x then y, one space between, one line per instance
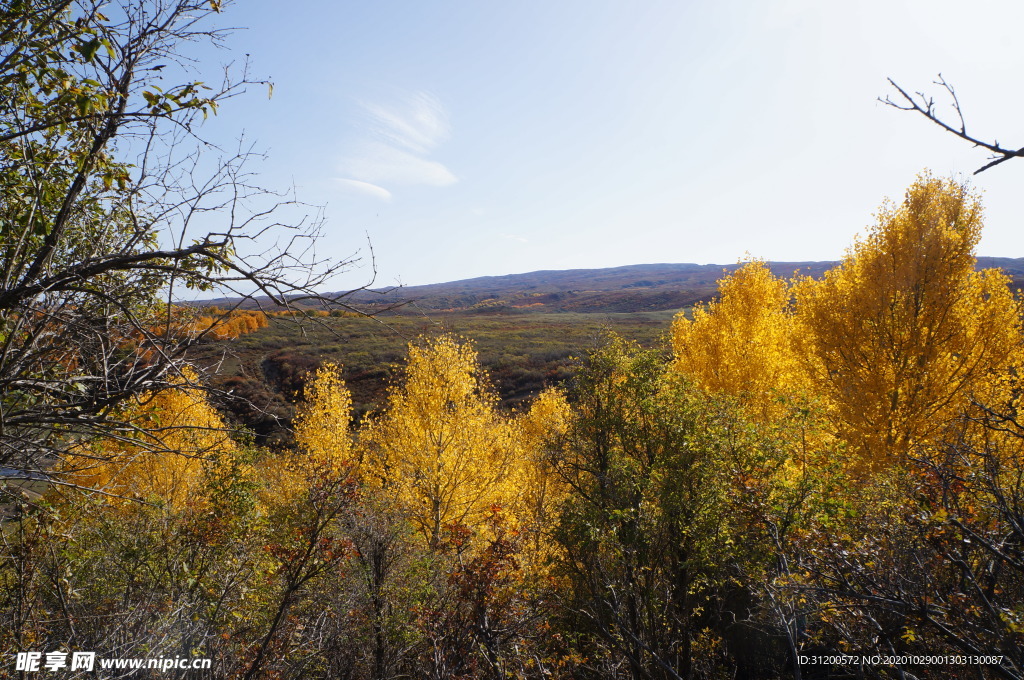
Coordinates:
671 491
488 623
742 344
113 210
308 546
905 331
924 559
151 551
322 440
541 490
322 421
169 441
440 445
219 324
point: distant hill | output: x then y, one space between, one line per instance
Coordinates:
633 288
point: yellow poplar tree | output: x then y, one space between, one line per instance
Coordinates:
742 343
440 446
541 488
905 330
177 432
322 421
322 439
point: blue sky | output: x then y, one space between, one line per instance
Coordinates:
470 138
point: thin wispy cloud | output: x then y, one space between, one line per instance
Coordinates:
418 124
356 187
383 164
395 152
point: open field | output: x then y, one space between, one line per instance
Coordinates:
523 353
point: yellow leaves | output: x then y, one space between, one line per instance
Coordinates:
322 439
1013 619
549 416
540 488
178 433
742 344
322 422
904 331
894 343
446 453
441 447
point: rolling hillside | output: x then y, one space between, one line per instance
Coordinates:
633 288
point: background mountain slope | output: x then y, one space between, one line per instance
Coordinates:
632 288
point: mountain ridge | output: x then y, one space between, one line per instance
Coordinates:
628 288
637 287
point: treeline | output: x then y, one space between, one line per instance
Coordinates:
215 323
814 468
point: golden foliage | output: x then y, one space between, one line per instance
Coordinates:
225 326
541 488
322 438
901 335
742 343
322 421
440 446
177 433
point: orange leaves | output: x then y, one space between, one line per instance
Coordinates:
223 326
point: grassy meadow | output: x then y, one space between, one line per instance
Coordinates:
521 353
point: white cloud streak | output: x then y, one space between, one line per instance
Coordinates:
418 124
356 187
382 164
395 153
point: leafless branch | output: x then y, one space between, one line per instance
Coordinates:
925 105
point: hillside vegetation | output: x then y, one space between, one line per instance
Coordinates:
528 328
522 354
629 289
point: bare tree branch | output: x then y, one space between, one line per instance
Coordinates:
925 105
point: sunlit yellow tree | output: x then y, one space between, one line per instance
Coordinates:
323 444
440 446
742 343
161 457
541 489
904 332
322 422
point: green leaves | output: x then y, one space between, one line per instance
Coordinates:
184 97
89 49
